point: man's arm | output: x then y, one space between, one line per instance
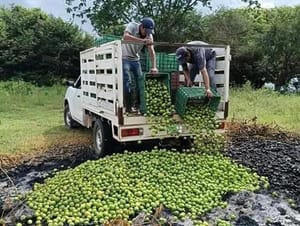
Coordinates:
187 77
186 73
206 82
129 37
201 62
152 58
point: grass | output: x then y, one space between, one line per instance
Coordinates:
31 118
266 106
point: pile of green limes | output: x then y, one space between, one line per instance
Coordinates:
122 185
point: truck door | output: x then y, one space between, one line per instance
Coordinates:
76 102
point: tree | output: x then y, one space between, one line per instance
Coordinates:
172 17
264 42
38 48
240 29
281 45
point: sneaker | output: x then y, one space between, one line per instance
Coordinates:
140 113
134 109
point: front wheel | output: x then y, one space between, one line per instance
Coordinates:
102 138
69 121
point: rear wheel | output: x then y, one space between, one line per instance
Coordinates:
69 122
102 138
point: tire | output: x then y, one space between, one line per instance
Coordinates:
69 122
102 138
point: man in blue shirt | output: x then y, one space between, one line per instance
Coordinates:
201 60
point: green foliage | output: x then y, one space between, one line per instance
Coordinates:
236 27
228 26
281 45
19 88
264 42
110 16
38 48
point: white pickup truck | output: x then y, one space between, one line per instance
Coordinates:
95 100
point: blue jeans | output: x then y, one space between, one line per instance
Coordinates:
133 80
210 67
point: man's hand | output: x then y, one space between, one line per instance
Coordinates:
154 70
209 93
189 83
148 41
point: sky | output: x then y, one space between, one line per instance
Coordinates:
58 8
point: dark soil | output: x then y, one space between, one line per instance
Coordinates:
20 179
56 158
270 153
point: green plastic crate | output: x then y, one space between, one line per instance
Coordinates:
106 38
165 62
195 96
163 77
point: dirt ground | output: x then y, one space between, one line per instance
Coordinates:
270 153
276 155
267 151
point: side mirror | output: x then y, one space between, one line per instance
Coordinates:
69 83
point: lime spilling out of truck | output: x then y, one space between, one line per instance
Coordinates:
201 122
121 186
199 119
159 107
96 100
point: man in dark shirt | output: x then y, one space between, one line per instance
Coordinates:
199 59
